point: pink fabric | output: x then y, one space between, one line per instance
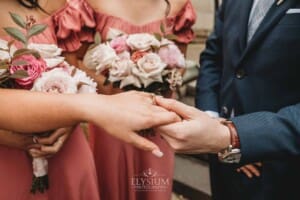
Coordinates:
74 25
72 173
180 24
116 162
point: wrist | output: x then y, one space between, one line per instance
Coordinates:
223 138
92 108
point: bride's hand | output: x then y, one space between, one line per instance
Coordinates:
124 115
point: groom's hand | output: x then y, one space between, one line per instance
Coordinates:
196 133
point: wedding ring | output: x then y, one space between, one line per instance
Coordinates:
35 140
153 98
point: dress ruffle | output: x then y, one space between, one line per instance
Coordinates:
74 25
180 24
184 21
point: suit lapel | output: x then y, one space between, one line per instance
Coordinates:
274 15
245 7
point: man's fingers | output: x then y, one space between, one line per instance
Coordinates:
259 164
181 109
250 170
172 130
52 138
253 170
144 144
164 117
246 171
173 143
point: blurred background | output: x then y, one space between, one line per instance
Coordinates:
191 178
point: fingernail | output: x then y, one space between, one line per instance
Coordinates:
157 153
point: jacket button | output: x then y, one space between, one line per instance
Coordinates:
240 73
225 110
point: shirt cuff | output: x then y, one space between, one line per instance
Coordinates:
213 114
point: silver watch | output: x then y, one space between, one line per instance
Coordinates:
230 155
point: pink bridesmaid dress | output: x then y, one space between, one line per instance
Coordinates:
124 172
72 173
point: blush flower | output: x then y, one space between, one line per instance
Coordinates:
49 52
100 57
119 44
138 55
121 70
172 56
56 81
32 65
149 69
142 41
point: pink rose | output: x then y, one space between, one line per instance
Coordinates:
138 55
119 44
34 68
172 56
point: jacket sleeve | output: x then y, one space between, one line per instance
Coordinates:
208 83
267 135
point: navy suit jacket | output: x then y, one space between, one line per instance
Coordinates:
260 81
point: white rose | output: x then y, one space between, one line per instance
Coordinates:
100 57
121 70
142 41
113 33
149 69
85 83
57 80
49 52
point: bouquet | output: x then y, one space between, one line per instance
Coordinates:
145 62
38 67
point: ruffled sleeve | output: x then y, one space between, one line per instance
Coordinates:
184 21
74 25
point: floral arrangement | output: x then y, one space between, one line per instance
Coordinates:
41 68
142 61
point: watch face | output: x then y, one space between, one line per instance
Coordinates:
230 156
233 158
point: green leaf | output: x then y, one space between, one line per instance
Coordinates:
10 43
19 74
21 52
171 37
97 38
162 28
16 33
157 36
20 62
36 29
18 20
4 66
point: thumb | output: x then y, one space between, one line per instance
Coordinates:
181 109
146 145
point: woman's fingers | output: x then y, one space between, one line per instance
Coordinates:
144 144
48 151
52 138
